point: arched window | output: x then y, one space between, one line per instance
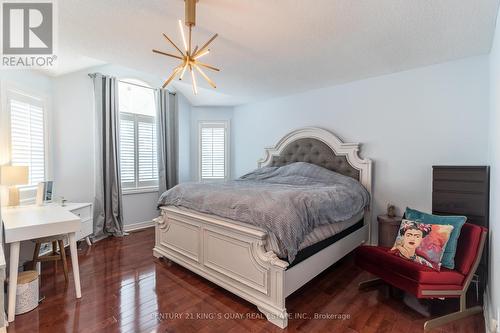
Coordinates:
138 147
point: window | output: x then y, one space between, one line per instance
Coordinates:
214 150
27 134
138 152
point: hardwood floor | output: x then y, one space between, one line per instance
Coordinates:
125 289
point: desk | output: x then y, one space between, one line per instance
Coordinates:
30 222
3 319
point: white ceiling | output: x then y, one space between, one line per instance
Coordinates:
269 48
69 61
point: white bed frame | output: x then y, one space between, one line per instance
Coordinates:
233 255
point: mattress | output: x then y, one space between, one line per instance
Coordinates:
319 246
319 233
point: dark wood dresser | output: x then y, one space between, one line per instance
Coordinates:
465 190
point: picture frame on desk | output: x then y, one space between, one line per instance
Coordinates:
44 193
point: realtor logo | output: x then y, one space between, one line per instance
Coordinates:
27 28
27 33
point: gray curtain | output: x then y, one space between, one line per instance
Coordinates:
108 208
167 129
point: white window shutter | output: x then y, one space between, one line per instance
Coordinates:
127 150
213 151
146 151
27 135
138 152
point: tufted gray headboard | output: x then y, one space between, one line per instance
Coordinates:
321 147
314 151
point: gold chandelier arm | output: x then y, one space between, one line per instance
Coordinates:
201 54
195 49
171 77
206 66
183 70
171 42
210 82
193 79
167 54
206 44
183 36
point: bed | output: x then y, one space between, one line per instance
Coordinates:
239 257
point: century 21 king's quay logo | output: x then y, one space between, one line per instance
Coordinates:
27 34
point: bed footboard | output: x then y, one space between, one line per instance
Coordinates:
230 255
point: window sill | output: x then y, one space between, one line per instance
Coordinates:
129 191
213 180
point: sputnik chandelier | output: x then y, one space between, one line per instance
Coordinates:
189 58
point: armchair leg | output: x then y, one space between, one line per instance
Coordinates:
439 321
370 283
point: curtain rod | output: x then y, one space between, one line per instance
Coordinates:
92 75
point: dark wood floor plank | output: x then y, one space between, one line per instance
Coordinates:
125 289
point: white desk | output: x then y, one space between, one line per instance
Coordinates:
3 319
30 222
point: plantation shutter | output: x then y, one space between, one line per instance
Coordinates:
138 154
213 150
27 137
127 150
147 155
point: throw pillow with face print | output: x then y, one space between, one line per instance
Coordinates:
422 243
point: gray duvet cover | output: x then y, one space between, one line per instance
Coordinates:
288 201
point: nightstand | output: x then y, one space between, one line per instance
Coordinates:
388 228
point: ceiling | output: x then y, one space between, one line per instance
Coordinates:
269 48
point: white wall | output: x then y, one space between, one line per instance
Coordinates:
209 113
28 79
73 131
494 153
406 121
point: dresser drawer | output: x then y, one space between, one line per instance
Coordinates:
85 213
87 229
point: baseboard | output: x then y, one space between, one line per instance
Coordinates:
490 319
138 226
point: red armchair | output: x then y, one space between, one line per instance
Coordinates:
424 282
